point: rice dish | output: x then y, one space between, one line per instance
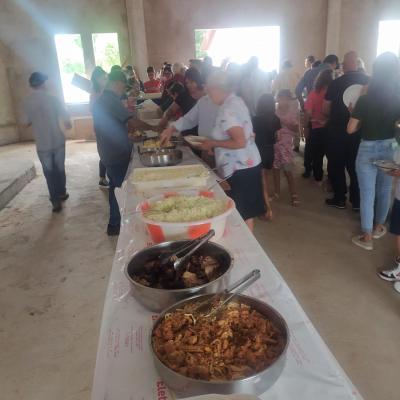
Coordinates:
185 209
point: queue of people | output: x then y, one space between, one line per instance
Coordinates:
251 122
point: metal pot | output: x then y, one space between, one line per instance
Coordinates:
255 384
158 299
161 157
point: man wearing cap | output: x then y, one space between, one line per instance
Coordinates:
44 112
111 120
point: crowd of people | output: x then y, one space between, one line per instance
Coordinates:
252 123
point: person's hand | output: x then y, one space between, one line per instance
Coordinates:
208 146
350 108
394 172
166 135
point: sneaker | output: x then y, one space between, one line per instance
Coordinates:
113 230
335 203
64 196
103 183
396 287
378 233
391 275
358 241
306 174
57 206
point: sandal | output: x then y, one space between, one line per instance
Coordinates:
267 216
295 200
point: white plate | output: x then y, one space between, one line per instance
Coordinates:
194 141
351 95
387 165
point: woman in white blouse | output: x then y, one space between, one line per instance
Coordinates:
233 143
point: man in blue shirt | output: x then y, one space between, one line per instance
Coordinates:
309 77
111 121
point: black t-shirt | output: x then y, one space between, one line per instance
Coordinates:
265 130
185 101
340 115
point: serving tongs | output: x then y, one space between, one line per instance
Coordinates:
185 251
230 292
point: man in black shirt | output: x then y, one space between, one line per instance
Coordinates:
341 148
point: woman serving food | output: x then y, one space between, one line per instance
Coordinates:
233 142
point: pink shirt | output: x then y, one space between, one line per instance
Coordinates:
313 105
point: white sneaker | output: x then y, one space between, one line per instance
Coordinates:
396 287
391 275
358 241
378 233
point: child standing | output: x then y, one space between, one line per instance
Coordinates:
288 114
266 125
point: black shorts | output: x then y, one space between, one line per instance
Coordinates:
395 218
267 157
247 193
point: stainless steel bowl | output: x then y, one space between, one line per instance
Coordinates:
158 299
161 157
255 384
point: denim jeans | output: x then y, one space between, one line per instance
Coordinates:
102 170
375 184
116 174
53 164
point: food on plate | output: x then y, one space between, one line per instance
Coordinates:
151 144
240 342
185 209
198 270
169 173
136 134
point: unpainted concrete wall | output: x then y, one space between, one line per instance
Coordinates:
27 29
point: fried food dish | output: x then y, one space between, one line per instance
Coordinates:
239 343
200 269
152 144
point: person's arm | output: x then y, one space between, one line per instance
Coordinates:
237 140
326 108
63 115
353 125
299 90
188 121
168 115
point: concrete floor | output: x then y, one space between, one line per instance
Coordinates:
54 272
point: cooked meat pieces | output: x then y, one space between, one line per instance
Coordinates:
240 343
200 269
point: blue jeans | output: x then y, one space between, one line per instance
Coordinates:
116 174
375 185
53 164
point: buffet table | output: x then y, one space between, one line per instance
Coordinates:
124 367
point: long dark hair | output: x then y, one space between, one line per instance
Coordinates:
194 75
266 106
96 74
323 80
384 85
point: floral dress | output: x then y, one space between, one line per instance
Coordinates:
233 112
283 148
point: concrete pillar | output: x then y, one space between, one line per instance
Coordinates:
137 35
333 27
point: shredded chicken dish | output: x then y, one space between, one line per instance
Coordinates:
239 343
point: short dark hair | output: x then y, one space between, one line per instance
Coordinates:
194 75
331 59
316 64
117 76
150 69
37 79
115 68
175 88
310 59
265 105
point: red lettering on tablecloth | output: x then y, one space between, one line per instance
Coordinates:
162 393
110 340
116 342
139 338
297 351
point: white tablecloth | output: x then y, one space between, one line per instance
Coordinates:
124 368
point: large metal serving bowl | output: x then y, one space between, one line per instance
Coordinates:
158 299
161 157
255 384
